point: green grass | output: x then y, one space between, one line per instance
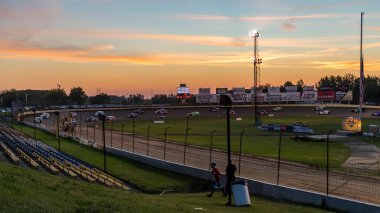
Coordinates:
254 141
25 190
145 178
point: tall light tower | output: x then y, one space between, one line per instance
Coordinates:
256 70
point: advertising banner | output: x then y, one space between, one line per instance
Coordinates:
273 89
183 90
206 99
352 123
274 97
339 95
238 97
204 91
221 90
238 90
291 88
327 95
309 96
291 96
308 88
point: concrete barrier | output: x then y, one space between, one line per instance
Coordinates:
257 187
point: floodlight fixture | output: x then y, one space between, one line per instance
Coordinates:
254 33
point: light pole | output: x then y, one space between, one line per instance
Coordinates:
133 134
166 130
226 101
102 117
147 144
58 136
212 137
187 130
256 64
34 123
21 115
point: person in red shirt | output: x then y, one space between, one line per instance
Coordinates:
215 173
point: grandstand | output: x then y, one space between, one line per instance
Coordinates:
35 153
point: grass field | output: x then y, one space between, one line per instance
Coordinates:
145 178
26 190
254 141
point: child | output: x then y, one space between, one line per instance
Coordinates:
216 183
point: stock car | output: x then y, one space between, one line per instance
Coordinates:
277 109
110 118
232 112
91 119
192 114
38 119
97 113
161 111
132 115
45 115
263 112
324 112
376 114
319 108
138 111
73 114
214 109
357 110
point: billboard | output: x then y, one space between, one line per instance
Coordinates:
326 95
308 88
273 89
339 95
183 90
204 91
291 88
206 99
309 96
221 90
291 96
352 123
274 97
238 90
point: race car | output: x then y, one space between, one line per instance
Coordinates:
324 112
45 115
214 109
319 108
376 114
91 119
357 110
110 118
192 114
132 115
161 111
277 109
138 111
263 112
97 113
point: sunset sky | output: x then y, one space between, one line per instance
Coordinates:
145 46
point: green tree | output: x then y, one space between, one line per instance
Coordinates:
101 98
77 95
56 97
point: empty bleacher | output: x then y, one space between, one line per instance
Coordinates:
36 154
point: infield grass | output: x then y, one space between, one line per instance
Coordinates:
254 142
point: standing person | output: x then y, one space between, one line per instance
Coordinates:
230 173
216 182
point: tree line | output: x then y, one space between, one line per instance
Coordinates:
77 96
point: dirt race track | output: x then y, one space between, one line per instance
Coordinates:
346 183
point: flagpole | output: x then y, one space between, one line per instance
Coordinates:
361 64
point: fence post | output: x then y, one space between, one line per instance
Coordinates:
122 136
212 137
166 130
147 144
241 138
184 149
133 135
279 157
327 160
111 132
94 130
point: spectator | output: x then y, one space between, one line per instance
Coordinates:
216 182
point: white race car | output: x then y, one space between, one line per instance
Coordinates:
161 111
324 112
277 109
